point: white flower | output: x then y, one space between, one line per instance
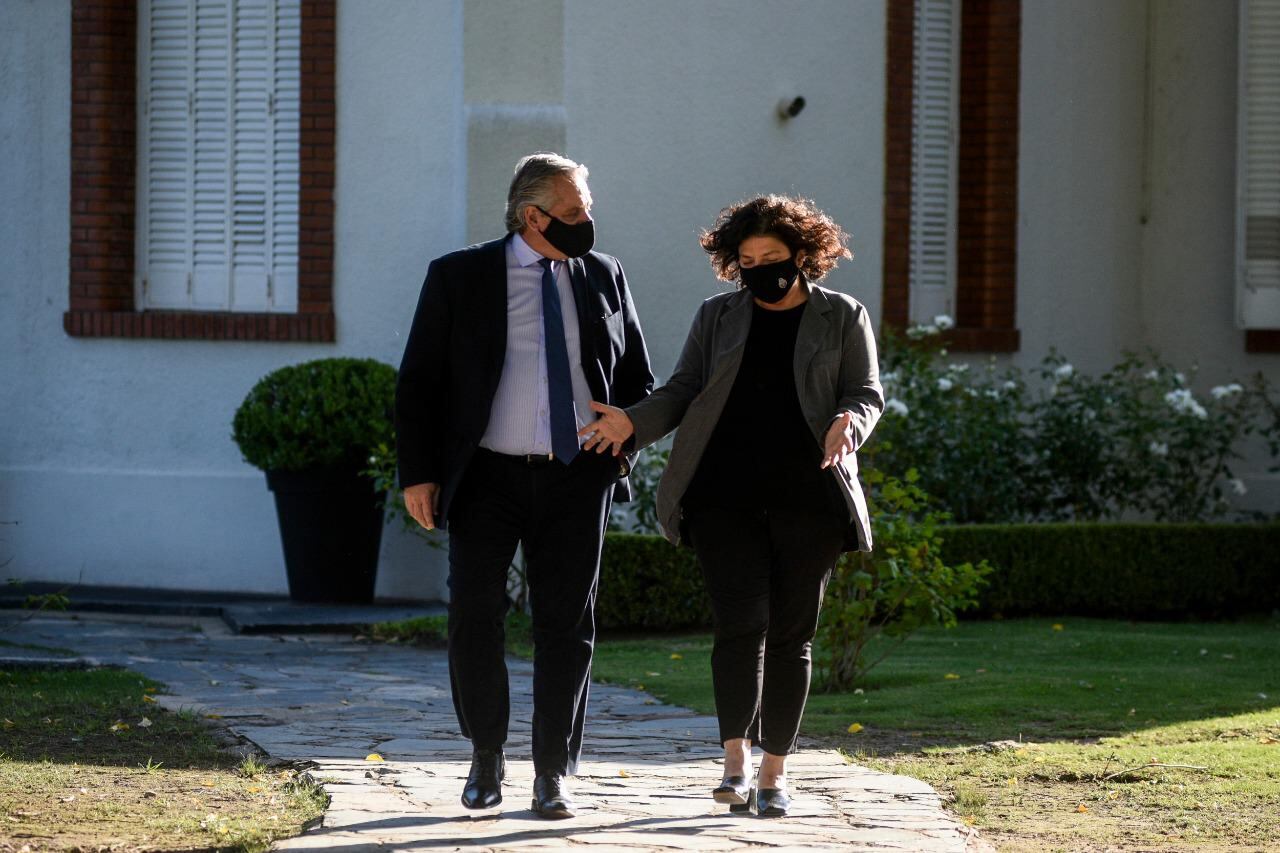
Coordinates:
1064 371
1180 378
1010 385
942 321
1183 402
1237 486
993 393
957 368
920 331
1226 390
886 378
896 406
944 384
1153 375
1158 448
971 392
1090 415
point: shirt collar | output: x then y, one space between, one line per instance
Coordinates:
526 255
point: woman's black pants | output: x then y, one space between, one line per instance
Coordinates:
766 572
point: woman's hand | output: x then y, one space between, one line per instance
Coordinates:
839 443
610 430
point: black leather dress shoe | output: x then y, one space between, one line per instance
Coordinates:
735 792
551 797
484 783
772 802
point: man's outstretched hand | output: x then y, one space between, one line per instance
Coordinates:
609 431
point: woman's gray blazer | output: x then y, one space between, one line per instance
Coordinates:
835 371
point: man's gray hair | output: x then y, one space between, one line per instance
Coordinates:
533 184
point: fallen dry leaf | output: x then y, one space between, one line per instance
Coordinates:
120 726
951 676
373 756
677 656
150 699
144 723
854 728
1082 808
623 773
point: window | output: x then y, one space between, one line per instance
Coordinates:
934 134
247 229
1258 169
951 168
218 154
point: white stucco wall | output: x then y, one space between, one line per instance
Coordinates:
115 455
1080 180
1127 192
672 106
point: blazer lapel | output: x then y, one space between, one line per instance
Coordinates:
731 336
812 332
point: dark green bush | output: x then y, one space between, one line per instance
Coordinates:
1140 571
1137 571
646 582
322 413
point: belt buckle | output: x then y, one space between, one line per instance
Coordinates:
533 460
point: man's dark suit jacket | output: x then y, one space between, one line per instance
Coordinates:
453 358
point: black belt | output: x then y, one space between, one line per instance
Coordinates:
529 460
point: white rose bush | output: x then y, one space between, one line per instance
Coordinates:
997 444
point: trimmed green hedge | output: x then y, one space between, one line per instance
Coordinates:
646 582
1140 571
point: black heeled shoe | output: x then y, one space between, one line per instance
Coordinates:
772 802
735 792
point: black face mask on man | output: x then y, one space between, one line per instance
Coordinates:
770 282
574 240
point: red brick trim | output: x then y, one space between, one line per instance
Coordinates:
204 325
987 178
1262 340
987 216
104 36
104 126
894 310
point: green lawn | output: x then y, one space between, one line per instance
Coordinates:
88 760
1074 700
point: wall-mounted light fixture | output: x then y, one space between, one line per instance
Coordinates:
789 108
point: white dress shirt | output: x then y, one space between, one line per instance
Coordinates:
519 421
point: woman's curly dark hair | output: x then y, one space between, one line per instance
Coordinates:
794 221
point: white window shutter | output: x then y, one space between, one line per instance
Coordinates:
935 101
211 274
165 156
250 143
286 140
218 217
1258 167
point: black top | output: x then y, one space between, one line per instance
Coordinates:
762 454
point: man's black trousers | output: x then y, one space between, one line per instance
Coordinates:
558 513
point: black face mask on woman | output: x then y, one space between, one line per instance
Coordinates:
574 240
769 282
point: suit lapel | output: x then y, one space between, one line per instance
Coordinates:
493 281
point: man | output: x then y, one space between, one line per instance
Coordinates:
511 342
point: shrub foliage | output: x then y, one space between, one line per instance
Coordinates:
324 413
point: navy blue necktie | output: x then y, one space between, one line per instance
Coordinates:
564 426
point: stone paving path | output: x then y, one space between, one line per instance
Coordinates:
647 767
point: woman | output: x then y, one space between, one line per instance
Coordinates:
775 389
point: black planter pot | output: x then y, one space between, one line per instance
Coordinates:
331 527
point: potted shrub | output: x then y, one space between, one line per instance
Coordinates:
311 427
